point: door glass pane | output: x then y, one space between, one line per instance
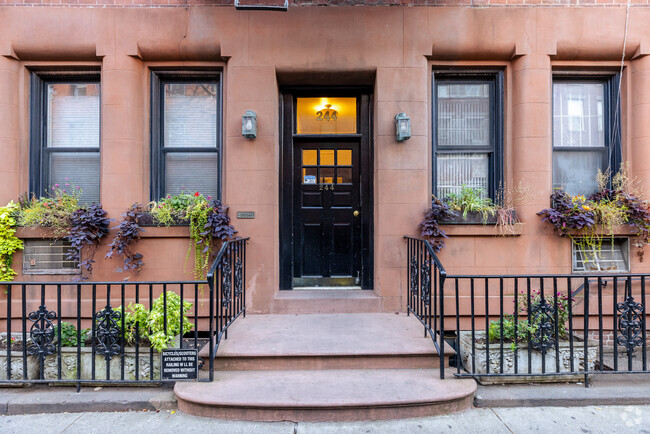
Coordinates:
190 115
189 172
344 157
327 175
327 157
73 115
462 169
578 114
326 115
309 157
575 172
344 176
463 114
309 175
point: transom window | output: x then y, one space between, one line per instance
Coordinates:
586 132
186 137
65 133
467 136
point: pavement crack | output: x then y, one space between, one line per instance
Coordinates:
501 420
72 423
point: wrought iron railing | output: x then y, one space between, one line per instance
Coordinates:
424 299
227 278
532 325
92 332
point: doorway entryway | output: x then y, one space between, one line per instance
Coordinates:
326 189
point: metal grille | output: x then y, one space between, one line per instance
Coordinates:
48 257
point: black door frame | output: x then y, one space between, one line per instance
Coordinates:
288 96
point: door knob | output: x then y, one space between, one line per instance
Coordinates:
356 213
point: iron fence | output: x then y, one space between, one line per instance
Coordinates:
112 332
532 325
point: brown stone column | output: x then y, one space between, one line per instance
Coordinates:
531 134
9 131
640 127
123 144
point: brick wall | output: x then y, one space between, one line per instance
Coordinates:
302 3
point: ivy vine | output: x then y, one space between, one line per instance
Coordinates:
9 243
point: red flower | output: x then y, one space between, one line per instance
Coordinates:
196 194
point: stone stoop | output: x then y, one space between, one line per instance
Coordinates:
310 367
326 301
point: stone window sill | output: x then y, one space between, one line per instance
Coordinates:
479 230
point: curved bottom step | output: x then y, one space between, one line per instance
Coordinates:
325 395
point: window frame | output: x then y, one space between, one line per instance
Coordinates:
158 151
612 152
495 151
39 153
625 252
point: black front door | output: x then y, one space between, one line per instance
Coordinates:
325 210
326 214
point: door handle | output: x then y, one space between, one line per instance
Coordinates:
355 213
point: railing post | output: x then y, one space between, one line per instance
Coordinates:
443 276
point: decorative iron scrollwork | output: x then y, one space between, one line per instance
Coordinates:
414 275
226 282
629 324
41 332
238 278
543 321
425 280
108 335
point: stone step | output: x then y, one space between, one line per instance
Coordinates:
321 341
305 301
325 395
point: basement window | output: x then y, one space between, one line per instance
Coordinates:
48 257
612 257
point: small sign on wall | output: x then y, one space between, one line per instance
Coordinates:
245 214
180 364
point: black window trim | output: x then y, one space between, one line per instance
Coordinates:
157 161
612 152
39 153
496 150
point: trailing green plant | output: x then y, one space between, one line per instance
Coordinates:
208 221
69 335
152 322
53 211
529 320
127 234
9 243
587 220
471 200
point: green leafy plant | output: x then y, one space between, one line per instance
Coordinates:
152 322
208 220
69 335
9 243
471 200
53 211
528 320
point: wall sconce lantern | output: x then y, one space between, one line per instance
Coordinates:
402 127
249 124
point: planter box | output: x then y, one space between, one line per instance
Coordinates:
17 371
564 355
69 365
474 218
17 366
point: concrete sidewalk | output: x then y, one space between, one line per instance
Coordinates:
618 419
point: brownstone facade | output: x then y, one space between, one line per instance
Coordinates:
393 50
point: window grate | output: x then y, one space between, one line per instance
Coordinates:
611 257
48 257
